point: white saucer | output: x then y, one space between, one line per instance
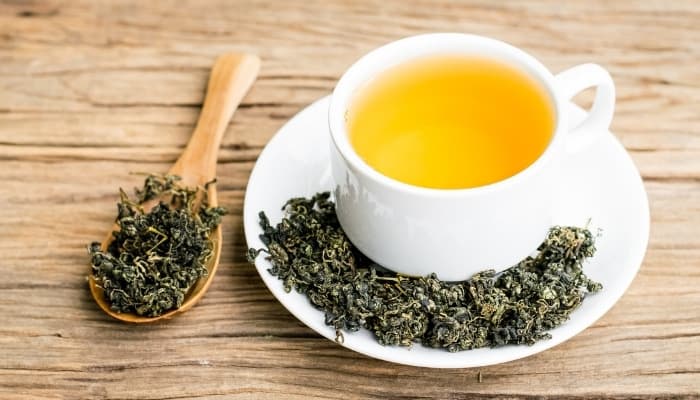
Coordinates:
603 185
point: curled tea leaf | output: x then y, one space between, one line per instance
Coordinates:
156 256
310 253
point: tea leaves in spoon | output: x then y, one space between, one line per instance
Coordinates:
156 256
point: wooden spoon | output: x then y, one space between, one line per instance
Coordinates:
233 74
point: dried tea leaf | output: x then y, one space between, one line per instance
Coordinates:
156 256
310 253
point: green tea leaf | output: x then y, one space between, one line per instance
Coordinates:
156 256
310 253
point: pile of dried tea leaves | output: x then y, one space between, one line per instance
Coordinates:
156 256
310 253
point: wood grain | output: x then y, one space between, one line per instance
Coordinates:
91 90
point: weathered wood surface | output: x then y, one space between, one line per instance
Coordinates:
91 90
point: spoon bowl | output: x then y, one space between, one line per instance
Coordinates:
232 76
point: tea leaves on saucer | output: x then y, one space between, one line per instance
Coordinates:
310 253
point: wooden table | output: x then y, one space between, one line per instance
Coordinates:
93 90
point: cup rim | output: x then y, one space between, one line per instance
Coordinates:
338 131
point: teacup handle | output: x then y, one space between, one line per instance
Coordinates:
573 81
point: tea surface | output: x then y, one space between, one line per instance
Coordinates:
450 121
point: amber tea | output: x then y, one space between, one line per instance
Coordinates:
451 121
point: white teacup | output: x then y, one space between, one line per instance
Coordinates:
457 232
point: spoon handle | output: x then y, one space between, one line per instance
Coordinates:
231 77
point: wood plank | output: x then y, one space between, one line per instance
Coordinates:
93 90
